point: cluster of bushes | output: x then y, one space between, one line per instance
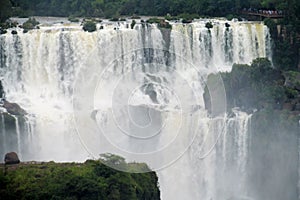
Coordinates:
100 8
162 23
258 86
209 25
6 25
91 180
30 24
89 26
184 17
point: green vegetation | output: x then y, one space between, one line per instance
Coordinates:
153 20
259 86
30 24
264 120
108 9
132 24
187 18
286 38
208 25
89 26
286 43
162 23
91 180
5 10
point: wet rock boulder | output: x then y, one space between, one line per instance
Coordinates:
13 108
11 158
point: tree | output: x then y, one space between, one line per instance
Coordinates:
5 10
89 26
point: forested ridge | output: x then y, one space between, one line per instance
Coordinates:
110 8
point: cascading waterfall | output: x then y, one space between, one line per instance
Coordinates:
3 132
158 74
18 136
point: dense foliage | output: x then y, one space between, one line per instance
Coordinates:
285 33
89 26
31 23
109 8
91 180
260 86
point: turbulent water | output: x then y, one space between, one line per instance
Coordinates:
137 93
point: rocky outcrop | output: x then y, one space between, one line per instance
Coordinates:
11 158
13 108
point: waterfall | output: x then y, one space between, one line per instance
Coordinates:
18 136
3 133
137 93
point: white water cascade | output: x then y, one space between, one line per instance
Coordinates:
137 93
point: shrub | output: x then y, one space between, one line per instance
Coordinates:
132 24
208 25
89 26
229 17
271 24
30 24
32 21
161 23
153 20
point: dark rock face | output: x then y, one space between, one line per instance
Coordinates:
13 108
11 158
